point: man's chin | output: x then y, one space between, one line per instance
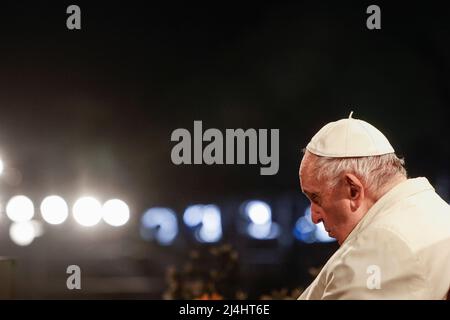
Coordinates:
331 235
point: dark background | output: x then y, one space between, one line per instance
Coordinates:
93 110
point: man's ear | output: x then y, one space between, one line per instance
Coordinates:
355 191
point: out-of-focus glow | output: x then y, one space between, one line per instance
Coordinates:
322 235
193 215
38 228
211 229
160 224
20 209
306 231
116 212
22 233
208 217
54 209
303 225
258 211
261 226
270 230
87 211
1 166
259 231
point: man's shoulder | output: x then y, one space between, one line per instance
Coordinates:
419 221
380 237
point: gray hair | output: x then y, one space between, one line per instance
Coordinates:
374 171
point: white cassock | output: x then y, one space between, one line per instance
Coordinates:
399 250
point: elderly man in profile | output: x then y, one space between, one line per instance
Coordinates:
393 232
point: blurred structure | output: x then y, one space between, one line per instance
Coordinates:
6 278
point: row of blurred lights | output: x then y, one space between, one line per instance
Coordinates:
87 211
205 221
160 224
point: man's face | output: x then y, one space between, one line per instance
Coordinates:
328 205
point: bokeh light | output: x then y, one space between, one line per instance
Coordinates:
322 234
193 215
54 209
87 211
160 224
211 227
22 233
20 209
258 211
115 212
306 231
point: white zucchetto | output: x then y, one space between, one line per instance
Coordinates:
349 138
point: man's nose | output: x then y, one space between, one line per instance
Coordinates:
315 214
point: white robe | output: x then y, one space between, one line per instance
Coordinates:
399 250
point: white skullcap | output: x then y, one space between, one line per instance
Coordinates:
349 138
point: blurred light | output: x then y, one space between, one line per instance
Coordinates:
307 215
306 231
322 234
161 224
22 233
20 209
116 212
87 211
1 166
38 228
54 210
303 225
258 211
193 215
267 231
261 226
211 229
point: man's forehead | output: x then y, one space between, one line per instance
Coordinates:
306 184
306 166
307 179
308 159
309 190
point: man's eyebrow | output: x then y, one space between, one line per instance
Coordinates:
310 194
